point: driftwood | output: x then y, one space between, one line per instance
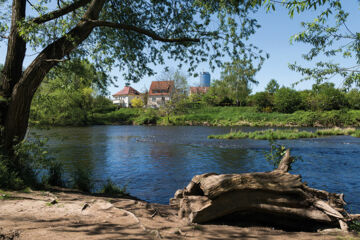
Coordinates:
276 198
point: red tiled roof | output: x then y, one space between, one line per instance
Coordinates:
198 90
127 90
160 88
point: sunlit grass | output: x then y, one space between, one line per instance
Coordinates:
287 134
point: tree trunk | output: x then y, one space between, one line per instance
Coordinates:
19 87
277 199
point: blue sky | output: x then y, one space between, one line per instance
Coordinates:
273 37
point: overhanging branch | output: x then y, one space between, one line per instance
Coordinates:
60 12
149 33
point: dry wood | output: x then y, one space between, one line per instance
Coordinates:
275 197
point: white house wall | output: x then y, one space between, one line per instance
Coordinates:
123 101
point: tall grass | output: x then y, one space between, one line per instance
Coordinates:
110 188
269 134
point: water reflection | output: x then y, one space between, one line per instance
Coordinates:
156 161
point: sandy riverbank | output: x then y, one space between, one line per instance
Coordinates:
75 215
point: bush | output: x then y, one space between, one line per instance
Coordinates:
29 161
263 101
137 102
308 101
150 116
328 97
353 98
287 100
81 180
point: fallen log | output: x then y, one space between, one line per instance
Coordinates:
277 199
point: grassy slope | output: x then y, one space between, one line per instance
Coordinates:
231 116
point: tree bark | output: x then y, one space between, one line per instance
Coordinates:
20 87
276 199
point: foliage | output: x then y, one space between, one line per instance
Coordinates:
179 99
272 86
276 153
68 95
81 180
137 102
30 161
354 226
353 98
149 116
110 188
120 116
287 100
327 97
263 101
329 36
236 78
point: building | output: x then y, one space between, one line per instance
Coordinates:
205 79
199 90
123 97
160 92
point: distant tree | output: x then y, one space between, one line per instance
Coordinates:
137 102
179 98
328 97
263 101
237 77
287 100
353 98
272 86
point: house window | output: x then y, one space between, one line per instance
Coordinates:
153 99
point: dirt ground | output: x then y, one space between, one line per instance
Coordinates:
71 215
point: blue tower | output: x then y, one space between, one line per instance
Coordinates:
205 79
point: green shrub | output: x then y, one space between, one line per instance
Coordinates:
29 161
308 101
149 116
81 180
287 100
263 101
327 97
54 176
353 98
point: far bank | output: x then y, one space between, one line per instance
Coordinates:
212 116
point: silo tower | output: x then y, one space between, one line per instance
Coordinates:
205 79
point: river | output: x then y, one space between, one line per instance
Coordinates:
154 161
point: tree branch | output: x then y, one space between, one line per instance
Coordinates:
149 33
60 12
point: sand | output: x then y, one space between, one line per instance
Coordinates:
66 214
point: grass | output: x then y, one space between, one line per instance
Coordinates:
248 116
287 134
354 226
4 195
227 116
110 188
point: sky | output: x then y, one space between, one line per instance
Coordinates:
273 37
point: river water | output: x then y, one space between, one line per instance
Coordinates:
154 161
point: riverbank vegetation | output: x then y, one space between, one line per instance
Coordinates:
82 103
272 134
